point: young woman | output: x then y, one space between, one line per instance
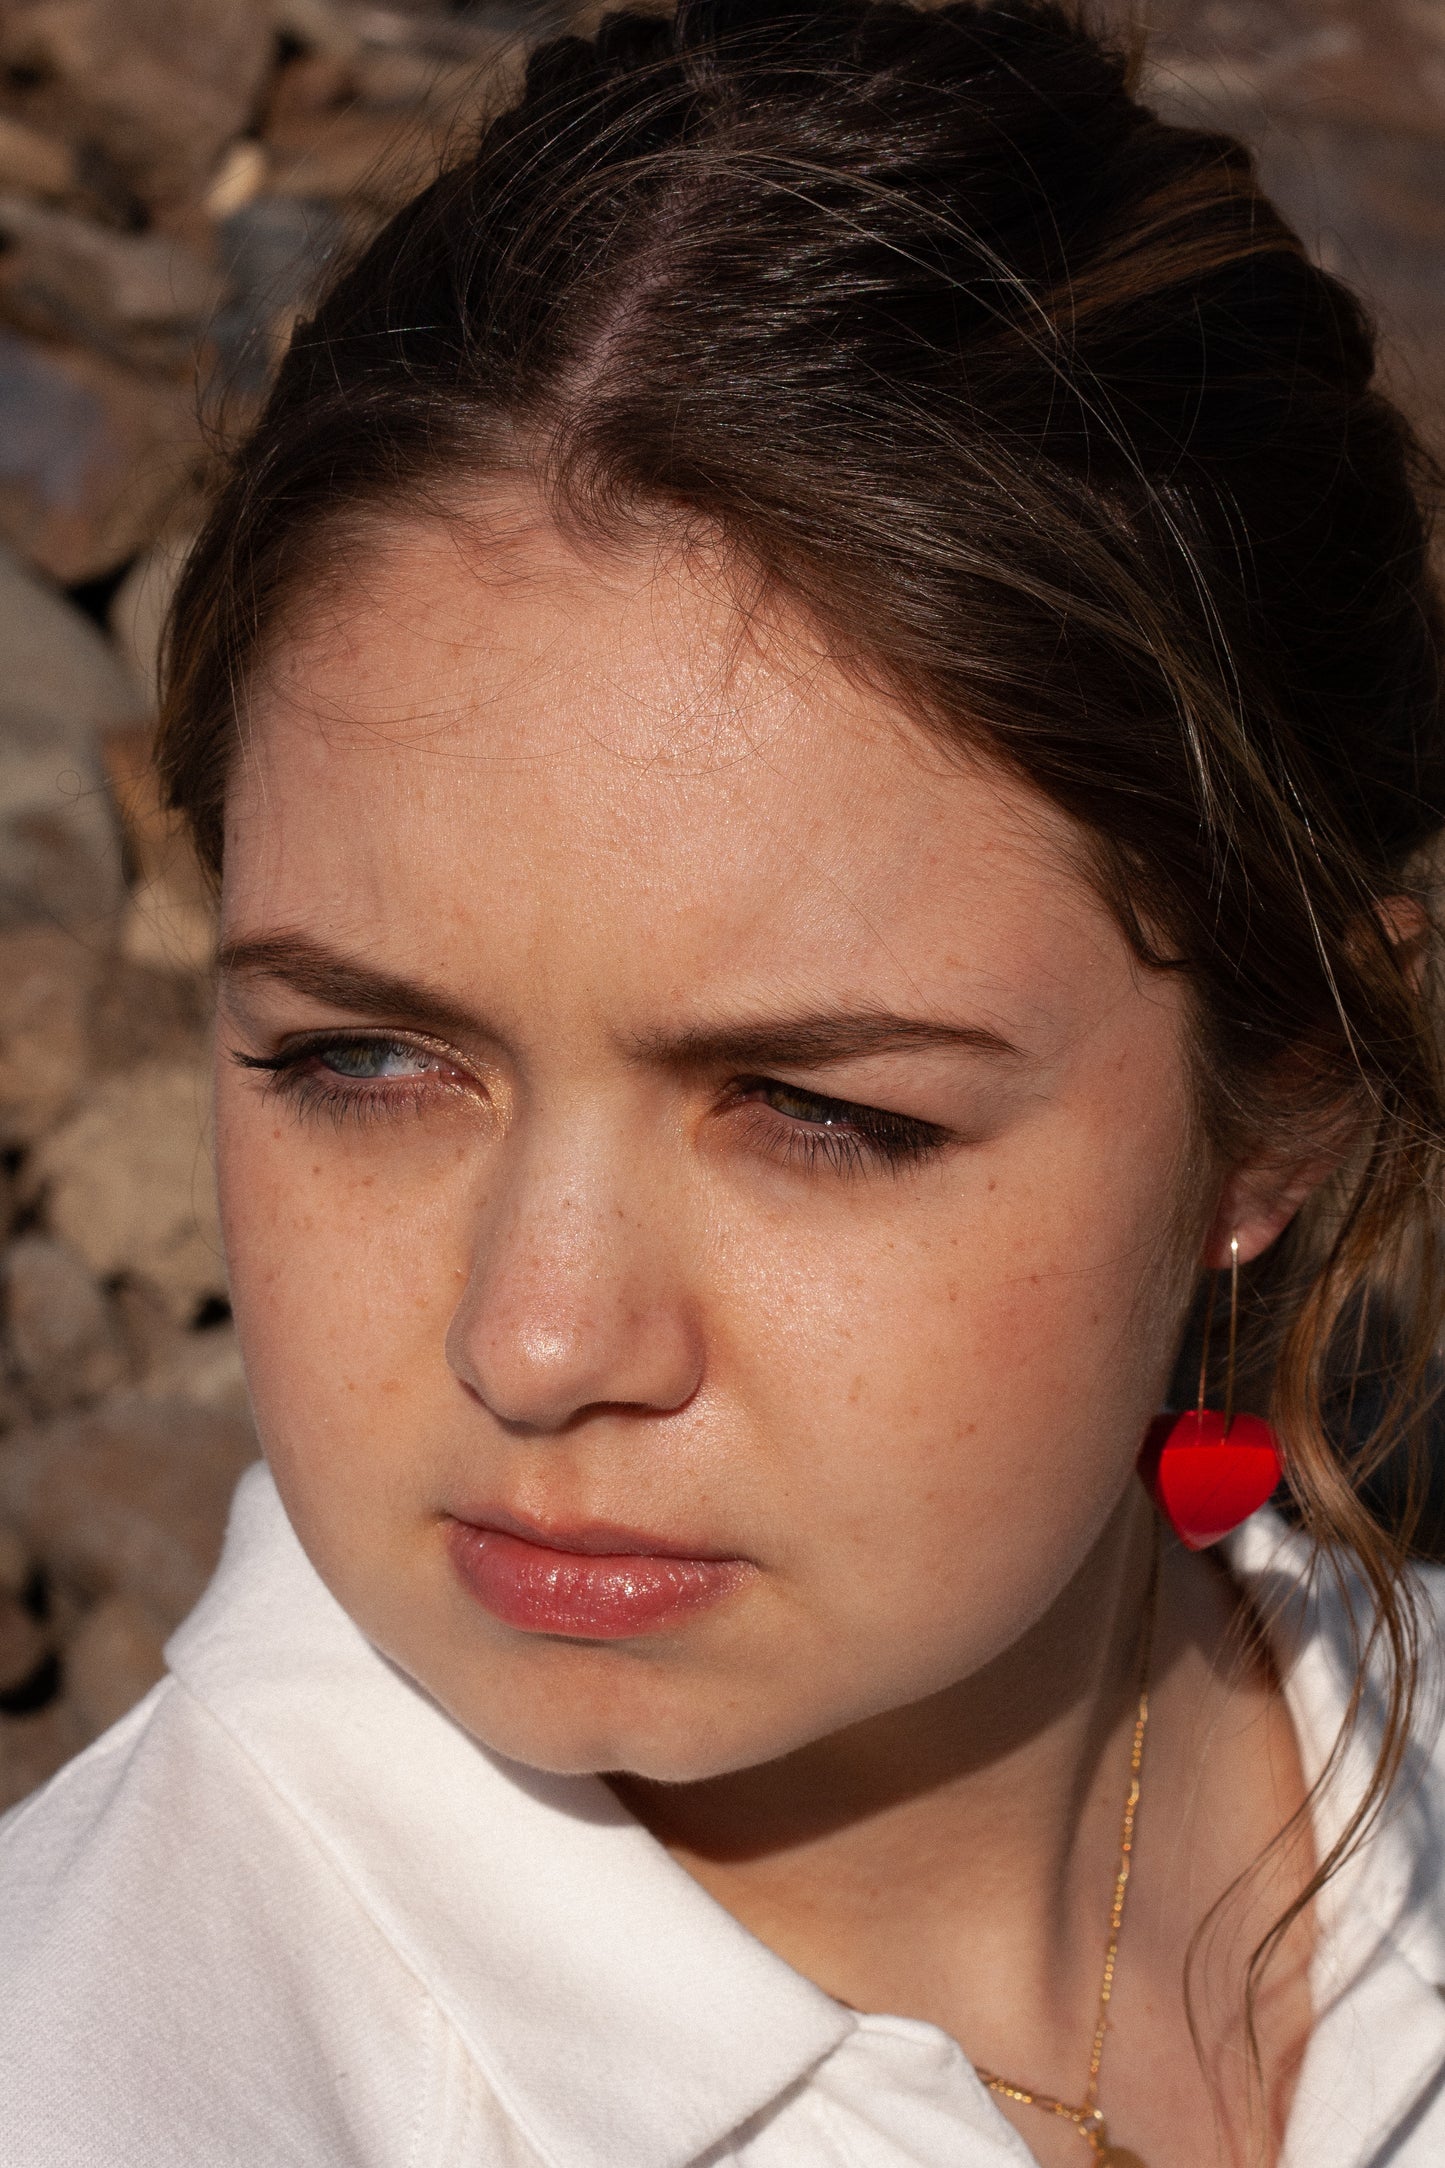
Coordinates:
818 704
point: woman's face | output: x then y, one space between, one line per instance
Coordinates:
716 1220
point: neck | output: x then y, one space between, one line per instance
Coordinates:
955 1860
1003 1793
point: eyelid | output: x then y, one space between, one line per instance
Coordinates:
294 1075
867 1139
296 1046
852 1137
868 1108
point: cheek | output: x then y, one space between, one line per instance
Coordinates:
344 1273
921 1408
956 1411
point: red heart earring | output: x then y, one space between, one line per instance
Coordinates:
1208 1471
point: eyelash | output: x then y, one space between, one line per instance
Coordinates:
840 1134
312 1092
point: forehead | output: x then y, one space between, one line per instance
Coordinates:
485 731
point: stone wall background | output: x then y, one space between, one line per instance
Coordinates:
174 176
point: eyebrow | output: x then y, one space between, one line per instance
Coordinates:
309 967
799 1041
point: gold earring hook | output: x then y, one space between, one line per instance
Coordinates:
1233 1335
1233 1331
1204 1345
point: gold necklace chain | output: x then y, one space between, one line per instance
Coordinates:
1087 2117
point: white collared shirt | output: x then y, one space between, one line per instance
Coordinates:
287 1912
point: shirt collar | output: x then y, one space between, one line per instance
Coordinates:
1394 1886
667 2025
535 1907
1377 2046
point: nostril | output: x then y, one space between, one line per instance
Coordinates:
560 1317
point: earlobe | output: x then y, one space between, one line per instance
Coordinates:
1255 1207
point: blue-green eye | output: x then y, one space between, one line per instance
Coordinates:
358 1076
817 1130
809 1107
373 1061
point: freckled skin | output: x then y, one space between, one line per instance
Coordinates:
599 811
575 1282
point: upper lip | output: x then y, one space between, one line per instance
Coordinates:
589 1539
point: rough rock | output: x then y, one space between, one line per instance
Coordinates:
1343 102
274 252
314 82
34 162
46 983
158 87
93 457
403 79
59 852
59 847
138 609
24 1648
366 121
240 176
144 297
32 1748
398 79
169 924
64 1340
139 1015
127 1181
153 1335
329 27
16 1564
1361 62
200 1364
204 1369
349 29
366 157
56 660
128 1499
115 1656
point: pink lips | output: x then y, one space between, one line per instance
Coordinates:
549 1587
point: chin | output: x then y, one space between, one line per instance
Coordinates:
584 1749
568 1737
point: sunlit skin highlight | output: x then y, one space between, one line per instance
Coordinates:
662 1091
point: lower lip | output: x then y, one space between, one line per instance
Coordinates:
590 1598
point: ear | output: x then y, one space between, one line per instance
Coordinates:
1260 1198
1407 927
1257 1203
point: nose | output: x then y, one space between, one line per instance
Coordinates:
577 1298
